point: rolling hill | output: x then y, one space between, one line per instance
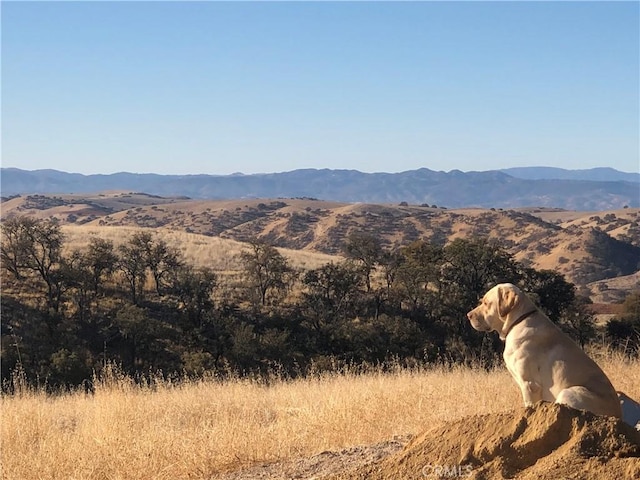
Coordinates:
586 247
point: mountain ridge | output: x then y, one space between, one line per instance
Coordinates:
453 189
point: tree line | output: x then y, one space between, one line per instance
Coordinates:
67 313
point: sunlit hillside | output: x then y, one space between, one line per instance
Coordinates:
220 254
597 251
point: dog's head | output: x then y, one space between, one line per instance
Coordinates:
499 309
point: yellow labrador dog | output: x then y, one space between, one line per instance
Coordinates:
546 364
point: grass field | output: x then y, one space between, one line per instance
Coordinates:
197 429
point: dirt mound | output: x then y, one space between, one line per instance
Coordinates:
544 442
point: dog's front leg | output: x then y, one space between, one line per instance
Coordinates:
531 392
522 372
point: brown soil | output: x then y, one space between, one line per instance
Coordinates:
545 442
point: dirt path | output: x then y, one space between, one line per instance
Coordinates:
323 464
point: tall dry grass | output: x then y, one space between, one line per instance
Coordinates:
197 429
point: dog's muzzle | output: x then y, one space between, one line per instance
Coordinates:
478 323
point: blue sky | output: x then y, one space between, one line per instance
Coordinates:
223 87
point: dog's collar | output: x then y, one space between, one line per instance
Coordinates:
519 319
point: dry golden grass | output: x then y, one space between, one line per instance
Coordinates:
201 428
219 254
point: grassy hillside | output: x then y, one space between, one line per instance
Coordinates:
219 254
584 246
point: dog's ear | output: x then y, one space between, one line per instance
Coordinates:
507 300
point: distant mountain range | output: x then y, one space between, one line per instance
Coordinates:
593 189
601 174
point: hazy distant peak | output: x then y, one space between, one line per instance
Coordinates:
598 174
